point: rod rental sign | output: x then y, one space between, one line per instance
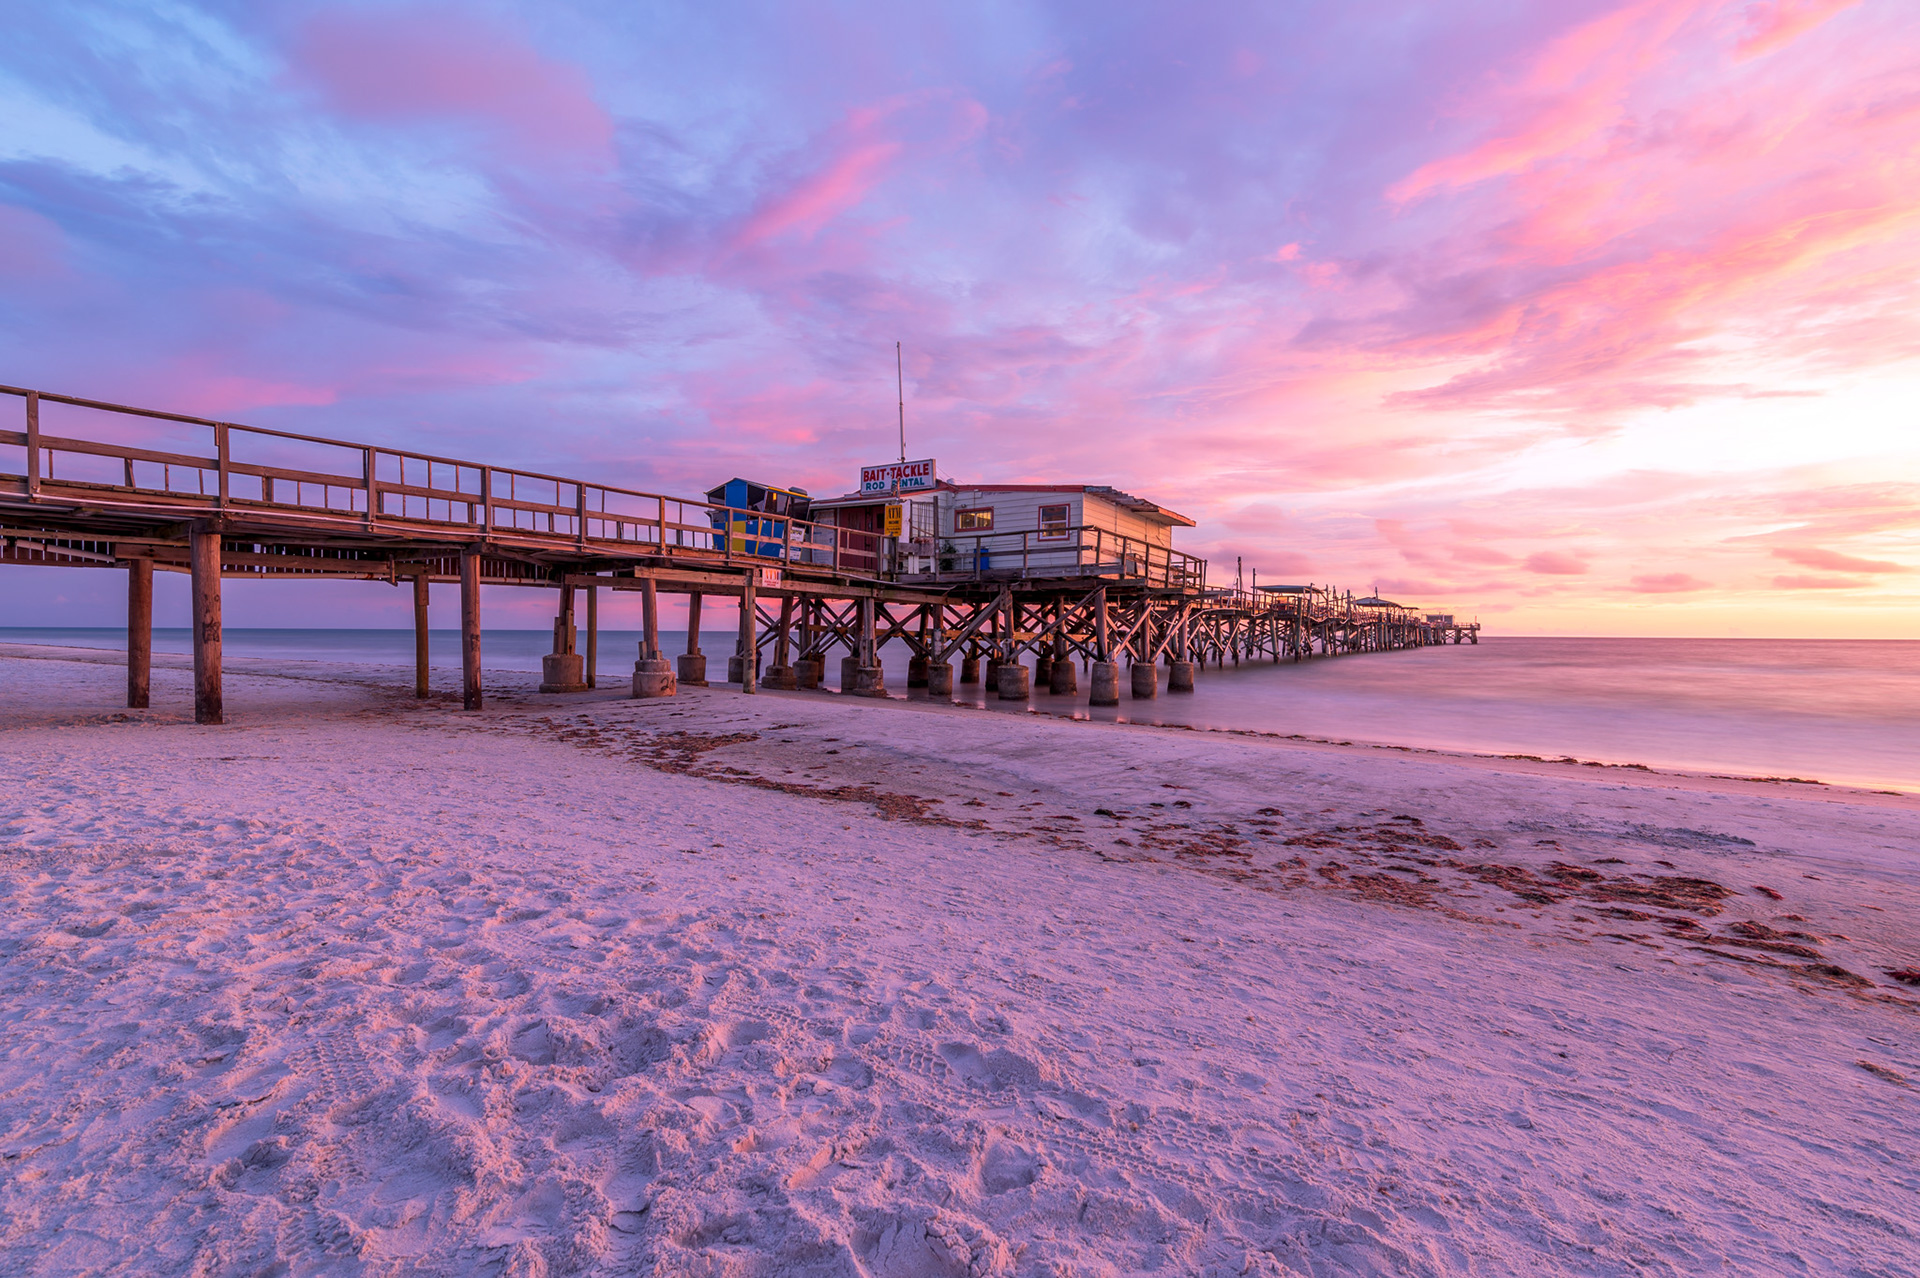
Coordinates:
897 477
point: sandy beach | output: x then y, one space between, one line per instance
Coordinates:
789 984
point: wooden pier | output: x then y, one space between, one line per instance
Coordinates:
91 484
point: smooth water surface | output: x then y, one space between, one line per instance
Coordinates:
1841 711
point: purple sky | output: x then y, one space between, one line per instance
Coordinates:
1583 316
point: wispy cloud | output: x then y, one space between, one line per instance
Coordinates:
1833 561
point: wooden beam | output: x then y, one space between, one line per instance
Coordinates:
204 551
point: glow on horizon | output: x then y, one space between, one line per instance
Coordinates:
1597 317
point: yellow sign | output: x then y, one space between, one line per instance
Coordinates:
891 528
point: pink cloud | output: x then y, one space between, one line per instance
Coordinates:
222 395
1816 583
1553 563
1833 561
1668 583
1575 88
1480 555
447 65
1773 23
822 195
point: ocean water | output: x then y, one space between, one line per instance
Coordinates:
1841 711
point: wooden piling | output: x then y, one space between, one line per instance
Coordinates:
203 550
471 696
652 676
693 663
782 646
420 589
650 620
749 636
139 632
593 633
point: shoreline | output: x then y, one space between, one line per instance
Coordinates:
782 984
517 683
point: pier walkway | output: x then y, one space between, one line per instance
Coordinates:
92 484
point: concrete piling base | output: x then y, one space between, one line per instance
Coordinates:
917 672
1043 673
940 679
869 681
1146 680
563 672
808 671
693 669
781 677
653 677
1179 676
737 669
1064 679
1105 680
1014 683
970 670
849 673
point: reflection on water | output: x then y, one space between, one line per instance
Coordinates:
1835 710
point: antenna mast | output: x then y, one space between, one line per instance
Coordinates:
900 375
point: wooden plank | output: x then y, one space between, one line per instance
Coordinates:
65 444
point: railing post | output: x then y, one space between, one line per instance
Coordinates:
33 443
220 459
580 514
366 460
662 531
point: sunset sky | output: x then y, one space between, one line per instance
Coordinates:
1580 317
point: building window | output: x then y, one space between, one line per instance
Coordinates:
979 519
1054 521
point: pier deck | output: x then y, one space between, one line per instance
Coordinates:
93 484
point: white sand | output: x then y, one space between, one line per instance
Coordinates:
355 985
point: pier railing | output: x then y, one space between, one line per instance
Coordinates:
145 461
137 460
1316 605
1080 551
